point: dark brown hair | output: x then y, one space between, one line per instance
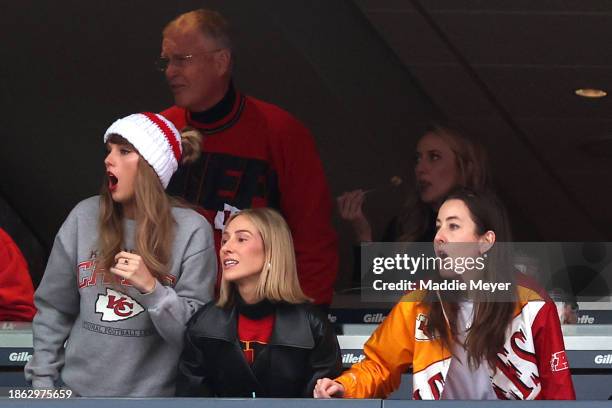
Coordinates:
492 314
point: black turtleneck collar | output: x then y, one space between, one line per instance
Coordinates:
254 311
220 110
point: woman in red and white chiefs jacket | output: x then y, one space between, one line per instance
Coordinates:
469 344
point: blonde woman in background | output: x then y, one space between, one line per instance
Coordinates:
444 160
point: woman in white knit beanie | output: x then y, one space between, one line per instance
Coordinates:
127 270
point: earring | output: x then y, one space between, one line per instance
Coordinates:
269 265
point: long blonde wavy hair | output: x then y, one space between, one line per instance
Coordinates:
472 167
153 216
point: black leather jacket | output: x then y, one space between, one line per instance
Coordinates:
302 349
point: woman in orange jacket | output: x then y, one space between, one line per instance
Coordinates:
471 344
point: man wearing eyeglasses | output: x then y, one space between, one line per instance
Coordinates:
254 153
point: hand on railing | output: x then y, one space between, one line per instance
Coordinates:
328 388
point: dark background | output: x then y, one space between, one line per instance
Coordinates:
363 75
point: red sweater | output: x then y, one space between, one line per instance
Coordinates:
16 290
260 156
254 335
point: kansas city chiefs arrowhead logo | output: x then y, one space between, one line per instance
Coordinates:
115 306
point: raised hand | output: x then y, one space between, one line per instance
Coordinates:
132 268
350 207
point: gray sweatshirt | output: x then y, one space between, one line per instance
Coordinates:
115 341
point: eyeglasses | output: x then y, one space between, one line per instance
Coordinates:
180 61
